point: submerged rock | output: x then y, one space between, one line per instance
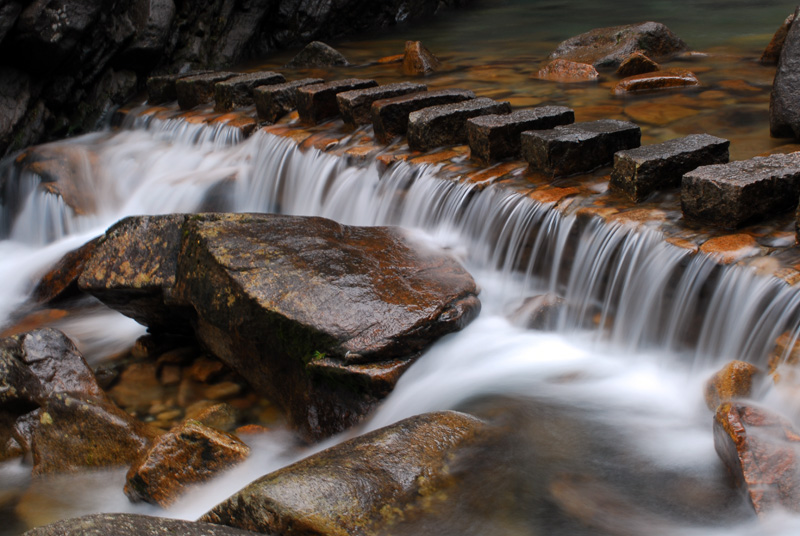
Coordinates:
318 54
674 78
568 71
734 380
784 101
418 59
636 63
132 525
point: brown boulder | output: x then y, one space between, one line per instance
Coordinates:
636 63
188 454
132 525
674 78
772 53
734 380
568 71
62 280
418 59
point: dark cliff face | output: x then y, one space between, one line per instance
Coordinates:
65 63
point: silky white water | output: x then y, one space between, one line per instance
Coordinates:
640 381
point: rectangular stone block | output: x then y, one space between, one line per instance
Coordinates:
355 105
238 91
273 102
317 102
494 137
734 194
390 116
446 124
639 172
578 148
199 89
161 88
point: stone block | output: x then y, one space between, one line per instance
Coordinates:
494 137
578 148
273 102
639 172
317 102
355 105
238 91
198 89
161 88
734 194
446 124
390 116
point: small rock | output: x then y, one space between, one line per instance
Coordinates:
636 63
222 390
217 415
772 53
62 280
205 369
783 355
188 454
728 249
784 101
238 91
318 54
733 381
138 385
568 71
418 59
446 124
355 105
170 375
390 116
675 78
198 89
317 102
132 525
273 102
539 312
658 113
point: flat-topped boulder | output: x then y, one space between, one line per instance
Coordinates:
161 88
275 101
390 116
675 78
784 101
317 102
497 136
734 194
579 147
198 89
639 172
355 105
238 91
446 124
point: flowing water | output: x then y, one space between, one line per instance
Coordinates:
618 382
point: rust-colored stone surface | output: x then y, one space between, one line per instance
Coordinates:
674 78
636 63
419 60
728 249
62 280
772 53
733 381
568 71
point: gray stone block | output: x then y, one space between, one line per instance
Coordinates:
390 116
578 148
273 102
161 88
317 102
199 89
238 91
639 172
494 137
734 194
447 124
355 105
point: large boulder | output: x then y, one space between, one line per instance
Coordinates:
784 101
132 525
608 47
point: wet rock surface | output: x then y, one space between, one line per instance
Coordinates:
317 102
318 54
640 172
784 102
132 525
198 89
674 78
419 60
772 53
273 102
62 280
355 105
635 64
238 91
446 124
568 71
734 381
161 88
390 116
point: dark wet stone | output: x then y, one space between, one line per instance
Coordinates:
731 195
355 105
772 53
238 91
198 89
639 172
9 12
608 47
317 102
273 102
390 116
578 148
15 98
19 387
568 71
161 88
132 525
494 137
153 20
675 78
784 101
635 64
318 54
362 486
418 59
62 280
446 124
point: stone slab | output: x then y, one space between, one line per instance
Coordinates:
578 148
355 105
494 137
161 89
446 124
639 172
199 89
390 116
317 102
273 102
238 91
734 194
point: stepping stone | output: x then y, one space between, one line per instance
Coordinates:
731 195
161 88
446 124
639 172
494 137
273 102
355 105
390 116
238 91
199 89
317 102
578 148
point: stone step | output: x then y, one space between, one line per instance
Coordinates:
238 91
639 172
273 102
355 105
199 89
578 148
731 195
494 137
446 124
317 102
390 116
161 88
